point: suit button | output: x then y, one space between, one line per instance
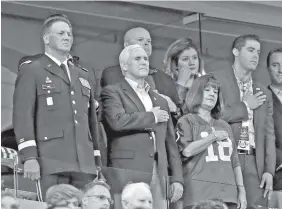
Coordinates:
73 101
75 111
48 91
76 121
152 155
151 138
72 92
45 138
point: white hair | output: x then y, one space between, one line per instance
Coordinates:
125 54
130 189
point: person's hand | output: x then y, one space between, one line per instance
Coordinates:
186 76
176 191
220 135
242 199
254 101
31 169
267 183
161 115
172 106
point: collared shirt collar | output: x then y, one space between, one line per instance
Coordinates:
152 71
247 84
137 86
57 61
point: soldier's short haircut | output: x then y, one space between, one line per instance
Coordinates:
125 54
94 183
49 21
129 190
279 50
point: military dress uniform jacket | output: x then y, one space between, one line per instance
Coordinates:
55 119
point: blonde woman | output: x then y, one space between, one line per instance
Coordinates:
183 62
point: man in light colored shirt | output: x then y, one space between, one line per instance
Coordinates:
274 65
141 135
248 109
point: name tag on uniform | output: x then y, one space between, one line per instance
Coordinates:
84 83
49 101
48 86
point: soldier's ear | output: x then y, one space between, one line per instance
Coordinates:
46 39
235 52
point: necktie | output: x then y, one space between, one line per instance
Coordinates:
63 66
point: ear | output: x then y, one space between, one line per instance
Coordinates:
235 52
46 39
124 66
125 44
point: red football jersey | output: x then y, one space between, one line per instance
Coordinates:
209 174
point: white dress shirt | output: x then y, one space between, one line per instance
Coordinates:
244 89
59 63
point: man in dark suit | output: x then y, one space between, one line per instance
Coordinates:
158 80
140 131
274 65
54 115
248 109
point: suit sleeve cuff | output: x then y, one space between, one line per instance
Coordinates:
156 119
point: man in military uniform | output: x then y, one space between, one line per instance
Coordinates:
54 114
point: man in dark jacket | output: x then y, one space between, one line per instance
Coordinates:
158 80
54 113
274 65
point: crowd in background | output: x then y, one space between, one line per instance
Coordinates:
152 138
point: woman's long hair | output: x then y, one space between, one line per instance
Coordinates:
172 55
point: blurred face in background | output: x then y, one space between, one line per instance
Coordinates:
8 202
98 197
72 203
141 199
275 68
189 60
141 37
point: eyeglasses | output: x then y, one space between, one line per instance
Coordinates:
102 198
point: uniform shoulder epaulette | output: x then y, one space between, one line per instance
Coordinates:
26 62
78 65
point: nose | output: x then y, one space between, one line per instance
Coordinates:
280 69
191 62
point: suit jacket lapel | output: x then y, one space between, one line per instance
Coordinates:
277 105
132 95
154 98
233 85
53 68
256 112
